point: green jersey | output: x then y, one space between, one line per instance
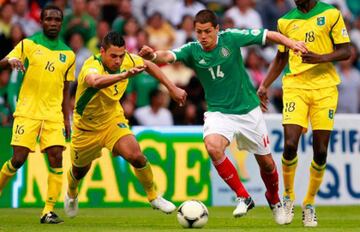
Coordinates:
221 71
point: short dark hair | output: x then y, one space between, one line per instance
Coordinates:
50 7
206 16
112 38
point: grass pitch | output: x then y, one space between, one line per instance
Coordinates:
343 218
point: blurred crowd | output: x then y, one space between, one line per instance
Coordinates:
164 24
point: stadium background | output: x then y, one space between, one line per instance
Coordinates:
181 165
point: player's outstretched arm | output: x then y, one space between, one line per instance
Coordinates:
341 52
66 109
274 72
100 81
161 56
13 63
276 37
177 94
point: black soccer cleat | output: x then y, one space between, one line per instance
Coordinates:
51 218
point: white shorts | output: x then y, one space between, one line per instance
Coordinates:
248 129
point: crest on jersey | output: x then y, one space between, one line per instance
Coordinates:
320 20
255 32
224 52
62 57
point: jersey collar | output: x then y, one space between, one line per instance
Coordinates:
98 58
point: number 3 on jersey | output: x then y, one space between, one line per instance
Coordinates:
219 73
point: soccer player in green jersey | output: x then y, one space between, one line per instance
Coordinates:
309 92
42 110
233 106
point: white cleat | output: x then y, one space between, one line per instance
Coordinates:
243 206
71 206
289 209
278 213
309 216
163 205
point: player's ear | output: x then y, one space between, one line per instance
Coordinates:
102 51
217 28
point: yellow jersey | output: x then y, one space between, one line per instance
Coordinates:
96 108
320 28
48 64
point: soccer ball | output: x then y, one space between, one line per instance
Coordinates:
192 214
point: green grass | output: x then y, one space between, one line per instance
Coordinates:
343 218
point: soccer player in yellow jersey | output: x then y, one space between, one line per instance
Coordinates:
43 106
309 92
99 119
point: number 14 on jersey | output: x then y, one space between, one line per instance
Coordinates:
219 73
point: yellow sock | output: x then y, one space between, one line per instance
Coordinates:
54 189
289 168
316 177
7 171
73 184
146 178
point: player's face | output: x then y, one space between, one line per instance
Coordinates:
301 2
206 34
113 57
51 23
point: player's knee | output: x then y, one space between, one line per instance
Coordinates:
320 157
214 151
18 161
268 167
55 159
290 149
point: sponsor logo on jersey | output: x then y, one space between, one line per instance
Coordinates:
255 32
62 57
320 20
202 61
344 32
331 114
225 52
295 27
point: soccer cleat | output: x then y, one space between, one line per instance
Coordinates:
278 211
163 205
243 206
309 216
289 209
51 218
71 206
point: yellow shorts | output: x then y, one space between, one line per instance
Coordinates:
26 131
86 146
318 105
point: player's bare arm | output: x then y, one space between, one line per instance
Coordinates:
274 72
341 52
178 94
100 81
276 37
13 63
66 109
162 56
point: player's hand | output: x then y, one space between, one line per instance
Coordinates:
16 64
264 100
179 95
299 47
146 52
67 131
311 58
133 71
